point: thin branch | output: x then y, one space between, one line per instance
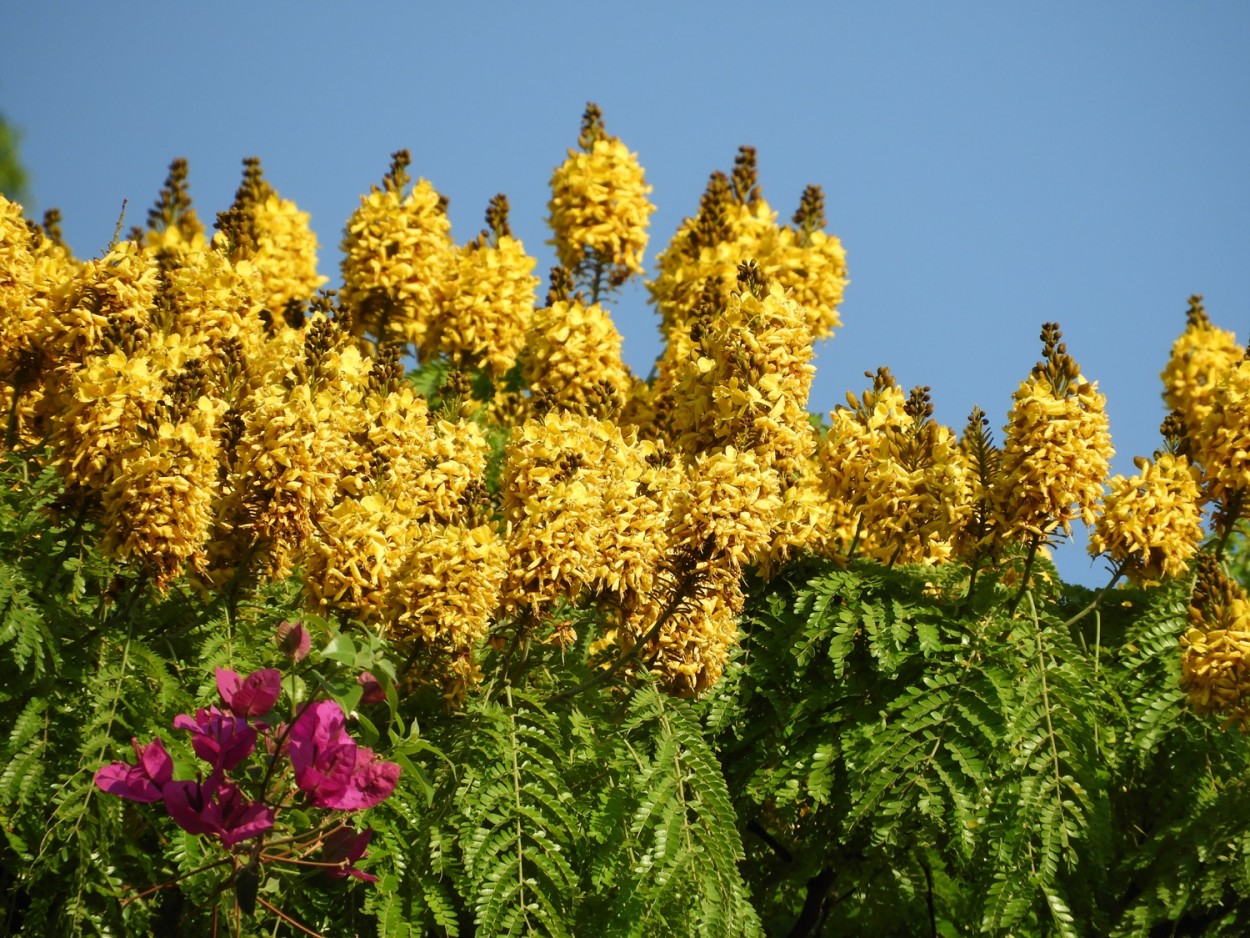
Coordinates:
1116 573
1034 542
290 921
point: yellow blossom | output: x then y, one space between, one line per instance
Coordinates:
586 510
158 507
691 635
897 474
1201 356
33 264
348 563
274 235
1056 448
726 507
444 591
805 521
1215 657
599 209
572 359
106 402
735 224
173 226
1222 444
489 301
397 256
296 441
1151 522
747 380
108 298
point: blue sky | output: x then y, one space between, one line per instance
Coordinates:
988 166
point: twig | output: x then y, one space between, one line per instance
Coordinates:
1034 543
1116 573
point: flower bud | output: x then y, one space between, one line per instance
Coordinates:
373 692
293 640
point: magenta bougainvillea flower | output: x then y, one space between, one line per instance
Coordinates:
215 807
143 781
220 739
252 696
345 846
327 767
372 782
330 767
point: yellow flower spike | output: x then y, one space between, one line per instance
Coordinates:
173 225
1056 449
735 224
572 359
897 479
1151 522
348 563
158 507
107 403
446 474
274 236
443 593
1201 356
747 380
727 506
489 300
1215 657
109 298
32 264
599 209
806 521
296 442
812 264
397 258
1222 445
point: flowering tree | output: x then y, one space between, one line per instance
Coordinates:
588 652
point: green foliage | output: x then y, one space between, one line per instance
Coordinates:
884 755
906 762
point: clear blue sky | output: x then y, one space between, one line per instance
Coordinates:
989 166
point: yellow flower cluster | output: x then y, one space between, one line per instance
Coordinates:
806 520
1056 449
1222 445
736 409
158 506
1201 355
586 508
599 208
397 256
275 236
295 445
219 421
32 265
727 506
735 224
488 308
698 627
572 359
896 478
1151 523
747 380
1207 386
1215 661
444 595
400 549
